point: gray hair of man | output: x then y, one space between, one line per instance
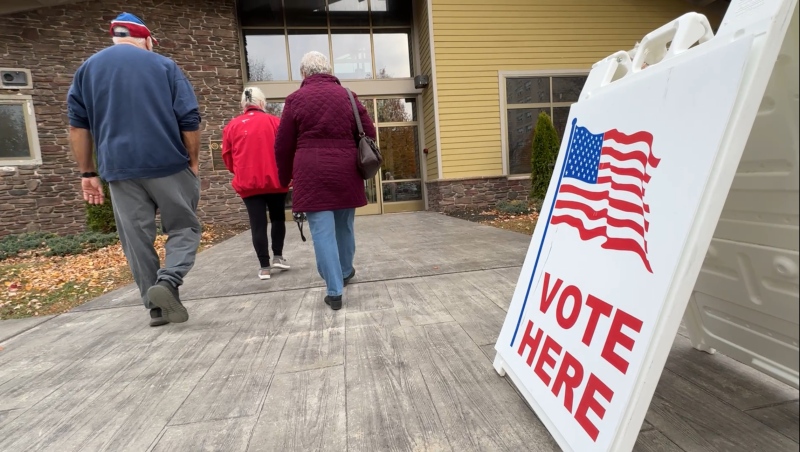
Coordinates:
142 43
314 63
253 97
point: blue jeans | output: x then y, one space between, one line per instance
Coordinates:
334 245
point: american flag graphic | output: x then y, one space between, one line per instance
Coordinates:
602 191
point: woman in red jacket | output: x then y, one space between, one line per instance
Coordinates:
316 150
248 149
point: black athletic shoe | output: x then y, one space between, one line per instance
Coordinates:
165 296
157 318
334 302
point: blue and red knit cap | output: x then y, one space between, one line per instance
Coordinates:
136 27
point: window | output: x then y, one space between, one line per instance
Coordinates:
19 140
364 39
525 97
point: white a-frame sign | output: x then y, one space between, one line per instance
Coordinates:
649 155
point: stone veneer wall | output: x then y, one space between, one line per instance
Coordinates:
200 35
477 193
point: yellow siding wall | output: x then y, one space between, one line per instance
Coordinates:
474 39
428 108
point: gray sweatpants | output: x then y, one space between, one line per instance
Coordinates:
135 202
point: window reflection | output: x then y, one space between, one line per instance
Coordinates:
528 90
370 106
302 42
399 146
392 54
371 191
560 117
266 57
521 125
348 13
13 132
396 110
567 89
274 108
352 55
402 191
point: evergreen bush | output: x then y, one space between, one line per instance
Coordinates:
49 244
515 207
543 156
100 218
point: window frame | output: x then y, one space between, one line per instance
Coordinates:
35 151
291 85
505 106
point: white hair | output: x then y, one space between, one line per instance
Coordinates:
256 98
314 63
138 42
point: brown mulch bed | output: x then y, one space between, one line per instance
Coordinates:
34 285
523 223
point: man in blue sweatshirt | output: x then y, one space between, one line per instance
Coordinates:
141 113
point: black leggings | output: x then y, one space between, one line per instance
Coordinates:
257 207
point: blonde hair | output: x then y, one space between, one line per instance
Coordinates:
253 97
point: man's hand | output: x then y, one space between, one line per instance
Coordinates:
92 190
192 142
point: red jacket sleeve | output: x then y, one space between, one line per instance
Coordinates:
227 148
286 144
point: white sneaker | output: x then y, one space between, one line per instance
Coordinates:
263 274
280 262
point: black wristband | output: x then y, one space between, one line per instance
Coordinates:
91 174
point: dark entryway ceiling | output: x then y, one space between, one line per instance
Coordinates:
13 6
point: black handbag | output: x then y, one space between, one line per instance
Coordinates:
369 156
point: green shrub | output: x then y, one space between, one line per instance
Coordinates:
12 245
515 207
543 156
100 218
50 244
80 243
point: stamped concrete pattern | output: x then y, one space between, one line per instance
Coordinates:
405 365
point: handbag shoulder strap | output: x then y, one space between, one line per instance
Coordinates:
355 113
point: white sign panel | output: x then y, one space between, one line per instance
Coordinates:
631 174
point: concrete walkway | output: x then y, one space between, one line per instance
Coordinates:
406 365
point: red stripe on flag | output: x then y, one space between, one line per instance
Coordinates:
604 195
586 234
630 188
623 138
639 156
628 245
633 172
617 244
593 214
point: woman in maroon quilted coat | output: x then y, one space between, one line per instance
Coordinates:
316 149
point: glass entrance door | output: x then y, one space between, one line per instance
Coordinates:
398 185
